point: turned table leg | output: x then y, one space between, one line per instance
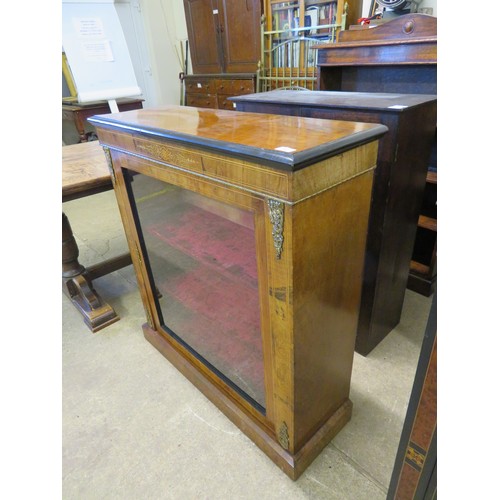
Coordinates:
80 126
77 284
70 265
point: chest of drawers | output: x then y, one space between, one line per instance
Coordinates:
213 91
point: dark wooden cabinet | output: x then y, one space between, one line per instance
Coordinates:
78 113
229 218
398 189
397 56
224 35
214 91
204 39
224 42
423 266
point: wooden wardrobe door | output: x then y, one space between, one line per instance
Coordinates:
240 32
202 20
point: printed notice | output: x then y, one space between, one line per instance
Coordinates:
97 51
89 27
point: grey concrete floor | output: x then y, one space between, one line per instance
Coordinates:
134 428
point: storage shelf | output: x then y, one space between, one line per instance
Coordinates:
427 223
419 268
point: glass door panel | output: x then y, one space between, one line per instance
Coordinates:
202 257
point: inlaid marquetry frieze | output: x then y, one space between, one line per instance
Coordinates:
415 456
169 155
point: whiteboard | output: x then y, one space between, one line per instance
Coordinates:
97 52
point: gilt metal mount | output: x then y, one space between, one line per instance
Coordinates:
283 438
276 215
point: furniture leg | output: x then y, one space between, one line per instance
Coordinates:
80 127
70 265
77 284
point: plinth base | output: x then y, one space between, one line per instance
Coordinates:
96 313
292 464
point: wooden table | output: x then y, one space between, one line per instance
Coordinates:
398 187
85 172
230 217
78 113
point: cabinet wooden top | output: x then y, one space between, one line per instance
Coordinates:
396 103
282 142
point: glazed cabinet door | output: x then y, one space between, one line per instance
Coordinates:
240 33
200 254
203 32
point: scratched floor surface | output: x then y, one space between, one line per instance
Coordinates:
134 427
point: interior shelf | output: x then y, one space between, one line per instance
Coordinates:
427 223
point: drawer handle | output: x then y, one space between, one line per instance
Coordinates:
408 27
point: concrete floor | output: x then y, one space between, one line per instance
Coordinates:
134 427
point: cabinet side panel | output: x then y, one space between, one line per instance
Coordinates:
329 237
406 186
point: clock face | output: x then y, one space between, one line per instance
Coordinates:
392 4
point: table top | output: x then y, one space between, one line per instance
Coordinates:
84 169
283 142
396 103
76 106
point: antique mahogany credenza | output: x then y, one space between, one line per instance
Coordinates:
78 113
398 187
399 56
247 234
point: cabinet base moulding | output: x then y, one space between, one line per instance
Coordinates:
291 464
422 284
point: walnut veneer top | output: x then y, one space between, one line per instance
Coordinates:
284 142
